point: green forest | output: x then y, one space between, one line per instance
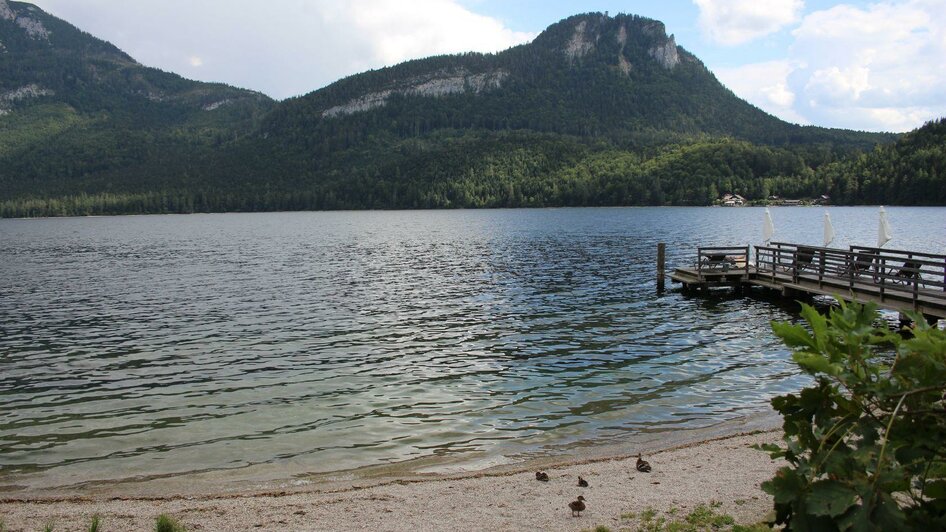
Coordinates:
102 134
526 170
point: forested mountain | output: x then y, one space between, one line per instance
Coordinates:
620 78
73 106
597 110
912 171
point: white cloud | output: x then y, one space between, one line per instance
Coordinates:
835 86
732 22
764 85
877 68
898 119
284 47
401 30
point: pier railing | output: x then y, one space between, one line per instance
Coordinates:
883 272
716 260
894 279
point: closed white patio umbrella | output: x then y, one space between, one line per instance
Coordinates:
884 234
828 229
768 227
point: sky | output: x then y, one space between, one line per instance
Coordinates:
873 66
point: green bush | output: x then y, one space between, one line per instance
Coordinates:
703 518
864 443
166 523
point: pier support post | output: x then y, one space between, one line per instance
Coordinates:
661 252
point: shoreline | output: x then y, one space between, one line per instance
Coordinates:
722 468
274 478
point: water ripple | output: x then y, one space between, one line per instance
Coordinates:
175 344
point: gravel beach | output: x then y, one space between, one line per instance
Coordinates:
725 470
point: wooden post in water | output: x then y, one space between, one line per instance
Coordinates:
661 251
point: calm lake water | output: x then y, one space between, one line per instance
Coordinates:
312 342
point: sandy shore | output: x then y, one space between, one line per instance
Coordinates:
725 470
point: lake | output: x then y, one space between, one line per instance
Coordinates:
155 346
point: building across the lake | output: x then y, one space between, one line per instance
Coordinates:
732 200
823 199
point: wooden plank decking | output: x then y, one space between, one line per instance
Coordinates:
894 279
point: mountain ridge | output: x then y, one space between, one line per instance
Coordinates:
597 110
74 105
582 48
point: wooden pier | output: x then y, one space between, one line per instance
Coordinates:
896 280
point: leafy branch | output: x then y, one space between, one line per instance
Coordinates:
864 442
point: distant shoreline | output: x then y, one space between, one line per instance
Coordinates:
456 209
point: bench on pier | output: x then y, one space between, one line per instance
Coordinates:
715 266
722 259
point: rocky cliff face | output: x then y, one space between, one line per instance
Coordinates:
578 40
582 41
664 49
438 84
32 26
623 63
27 91
666 54
589 30
6 12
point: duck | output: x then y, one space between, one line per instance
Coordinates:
582 483
577 506
542 476
642 465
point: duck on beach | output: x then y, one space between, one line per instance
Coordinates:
642 465
542 476
582 483
577 506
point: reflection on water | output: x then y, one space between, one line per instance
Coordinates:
172 344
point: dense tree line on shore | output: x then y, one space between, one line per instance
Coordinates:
530 170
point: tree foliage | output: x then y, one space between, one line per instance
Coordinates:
911 171
864 443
